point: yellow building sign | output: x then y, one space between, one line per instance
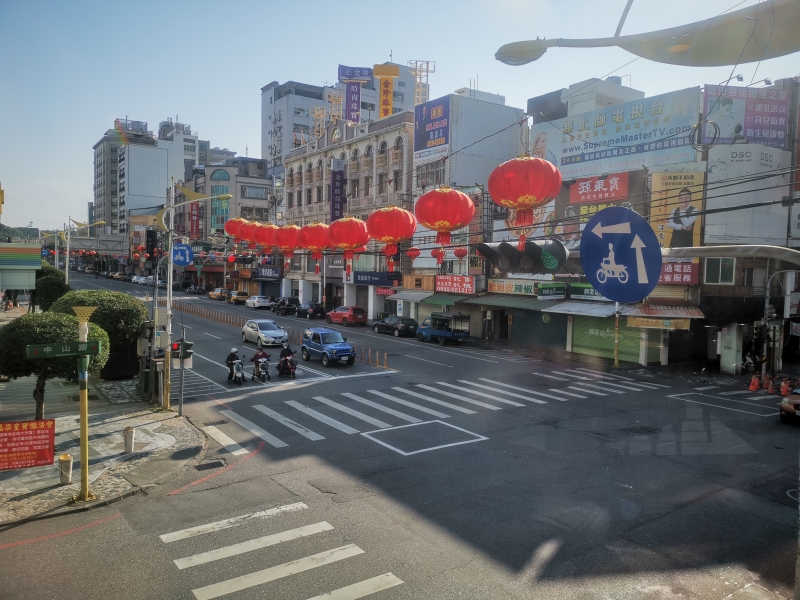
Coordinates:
658 323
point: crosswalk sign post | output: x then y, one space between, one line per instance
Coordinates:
621 258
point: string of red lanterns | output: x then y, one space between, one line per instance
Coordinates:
349 235
314 237
391 225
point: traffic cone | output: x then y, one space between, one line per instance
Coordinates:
767 381
771 388
785 387
754 384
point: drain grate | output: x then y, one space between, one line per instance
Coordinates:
212 465
215 423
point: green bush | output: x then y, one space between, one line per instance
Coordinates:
49 270
45 328
49 289
120 315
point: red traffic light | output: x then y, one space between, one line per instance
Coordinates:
231 258
176 346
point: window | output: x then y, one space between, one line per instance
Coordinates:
401 83
218 190
399 96
431 174
367 106
255 192
382 183
220 175
289 199
308 196
354 188
367 185
300 128
368 151
720 270
397 180
319 193
747 279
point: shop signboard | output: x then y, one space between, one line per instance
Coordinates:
382 291
337 193
455 284
746 115
645 132
599 188
26 444
525 287
380 278
245 273
268 273
656 323
432 128
194 220
585 291
551 290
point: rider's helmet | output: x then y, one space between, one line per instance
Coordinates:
234 350
286 344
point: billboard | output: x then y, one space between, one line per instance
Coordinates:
363 74
337 188
352 110
747 115
642 133
676 200
194 220
455 284
432 128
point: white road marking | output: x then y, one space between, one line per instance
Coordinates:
214 336
465 399
514 387
232 522
551 377
250 545
435 401
430 411
477 438
734 393
590 371
568 393
588 391
362 588
708 387
253 428
225 441
478 393
574 375
758 397
428 361
624 386
320 417
289 423
352 412
382 408
678 397
300 565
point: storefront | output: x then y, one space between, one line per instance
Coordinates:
361 289
406 303
268 280
205 274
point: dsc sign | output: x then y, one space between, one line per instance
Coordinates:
455 284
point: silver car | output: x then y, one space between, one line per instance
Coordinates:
264 333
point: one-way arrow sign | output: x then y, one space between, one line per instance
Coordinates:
637 245
599 230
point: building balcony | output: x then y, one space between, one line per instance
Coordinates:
383 160
397 156
318 174
354 166
367 163
307 178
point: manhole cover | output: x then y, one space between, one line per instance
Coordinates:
215 423
212 465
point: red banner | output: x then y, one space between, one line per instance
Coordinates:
194 220
25 444
455 284
597 189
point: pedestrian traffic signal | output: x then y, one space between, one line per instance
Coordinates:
175 348
539 256
186 350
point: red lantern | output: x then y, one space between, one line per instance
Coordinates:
438 255
247 231
136 256
460 253
391 225
523 184
147 256
287 239
265 235
444 210
140 248
348 234
314 237
232 226
412 252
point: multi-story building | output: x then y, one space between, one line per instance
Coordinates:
90 215
183 147
106 166
287 111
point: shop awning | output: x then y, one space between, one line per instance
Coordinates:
663 311
445 299
509 301
410 295
577 307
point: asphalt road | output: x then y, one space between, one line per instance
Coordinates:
457 473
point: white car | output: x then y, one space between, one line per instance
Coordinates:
137 279
257 302
264 333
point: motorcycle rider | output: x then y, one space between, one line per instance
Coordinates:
232 357
260 353
286 355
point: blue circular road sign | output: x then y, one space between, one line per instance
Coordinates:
620 254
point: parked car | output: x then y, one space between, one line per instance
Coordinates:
224 295
327 345
89 270
237 297
258 302
286 306
214 294
81 269
264 333
347 315
73 267
444 328
310 310
397 326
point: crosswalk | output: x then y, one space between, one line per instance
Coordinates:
271 548
194 385
497 355
319 417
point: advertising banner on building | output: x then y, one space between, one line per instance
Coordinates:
746 115
599 188
525 287
675 203
352 111
381 278
267 273
656 323
362 74
337 194
26 444
623 137
386 101
455 284
585 291
432 128
194 220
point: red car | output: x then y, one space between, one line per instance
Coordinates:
347 315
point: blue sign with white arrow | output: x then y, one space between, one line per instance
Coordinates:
182 255
620 254
44 252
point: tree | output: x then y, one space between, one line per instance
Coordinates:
46 270
49 289
46 328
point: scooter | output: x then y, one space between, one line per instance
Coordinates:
287 366
749 364
238 371
261 369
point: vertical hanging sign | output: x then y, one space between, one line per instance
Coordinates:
194 220
353 77
386 75
337 189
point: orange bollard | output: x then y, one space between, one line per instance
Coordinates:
377 358
362 353
767 379
755 384
771 388
785 387
369 356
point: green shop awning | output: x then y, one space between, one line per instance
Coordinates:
509 301
445 299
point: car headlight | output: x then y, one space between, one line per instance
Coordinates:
785 402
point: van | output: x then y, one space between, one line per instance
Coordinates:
150 280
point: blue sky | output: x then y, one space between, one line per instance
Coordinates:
67 69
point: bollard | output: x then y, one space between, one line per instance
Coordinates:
369 356
385 360
129 433
362 353
377 358
65 468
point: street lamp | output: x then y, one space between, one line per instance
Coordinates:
66 239
766 80
736 77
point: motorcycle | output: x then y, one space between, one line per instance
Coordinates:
749 364
287 366
238 371
607 269
261 369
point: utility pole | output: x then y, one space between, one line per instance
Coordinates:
180 398
168 264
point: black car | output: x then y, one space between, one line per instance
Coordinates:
396 325
286 306
311 310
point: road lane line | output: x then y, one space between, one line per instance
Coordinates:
588 391
623 386
734 393
478 393
362 588
320 417
429 411
428 361
250 545
214 336
514 387
574 375
254 429
465 399
551 377
678 397
708 387
289 423
300 565
376 406
610 375
352 412
568 393
224 441
435 401
232 522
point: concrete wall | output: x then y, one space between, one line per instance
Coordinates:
146 176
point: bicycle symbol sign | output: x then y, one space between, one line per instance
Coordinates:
620 254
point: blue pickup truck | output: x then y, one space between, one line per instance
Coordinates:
445 328
327 345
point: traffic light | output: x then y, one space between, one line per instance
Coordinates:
151 243
539 256
175 349
186 350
